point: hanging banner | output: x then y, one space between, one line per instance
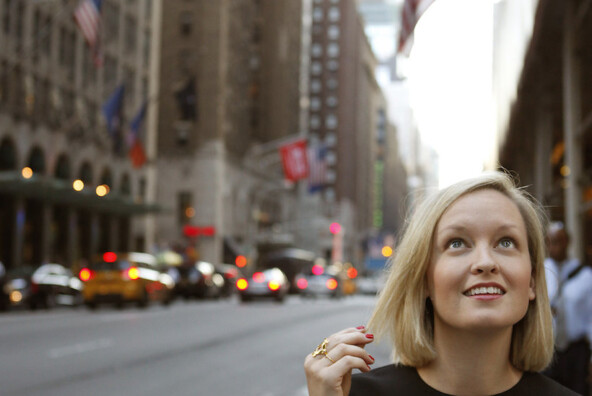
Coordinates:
294 160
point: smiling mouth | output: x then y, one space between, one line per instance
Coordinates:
484 291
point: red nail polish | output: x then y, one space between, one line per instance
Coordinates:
371 357
360 327
371 336
369 368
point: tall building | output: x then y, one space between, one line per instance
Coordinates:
229 95
545 108
345 112
53 131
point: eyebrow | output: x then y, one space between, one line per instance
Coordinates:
460 227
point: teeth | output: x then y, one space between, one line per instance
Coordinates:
484 290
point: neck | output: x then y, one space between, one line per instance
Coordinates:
471 363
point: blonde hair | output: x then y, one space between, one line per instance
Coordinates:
401 313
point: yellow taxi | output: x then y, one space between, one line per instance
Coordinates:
118 278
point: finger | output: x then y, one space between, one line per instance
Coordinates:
343 350
358 338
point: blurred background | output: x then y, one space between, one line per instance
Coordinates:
204 154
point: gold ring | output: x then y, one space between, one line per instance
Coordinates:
327 356
321 349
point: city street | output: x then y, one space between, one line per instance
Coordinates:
217 348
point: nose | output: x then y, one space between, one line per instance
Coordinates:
484 261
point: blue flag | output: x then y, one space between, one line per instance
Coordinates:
112 111
135 125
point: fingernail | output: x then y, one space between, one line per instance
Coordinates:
369 368
371 336
371 357
360 327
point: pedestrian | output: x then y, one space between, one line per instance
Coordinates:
568 284
465 304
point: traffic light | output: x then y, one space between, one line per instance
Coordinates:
240 261
335 228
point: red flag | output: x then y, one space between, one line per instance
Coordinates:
137 154
410 14
294 160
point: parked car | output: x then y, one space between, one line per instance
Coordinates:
119 278
317 284
46 286
231 274
269 283
199 280
371 284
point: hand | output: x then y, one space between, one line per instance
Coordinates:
346 349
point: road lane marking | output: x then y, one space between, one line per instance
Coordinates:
82 347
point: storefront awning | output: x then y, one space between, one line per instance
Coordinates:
60 192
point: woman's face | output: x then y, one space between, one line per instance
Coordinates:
479 276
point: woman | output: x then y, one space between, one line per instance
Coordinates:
465 304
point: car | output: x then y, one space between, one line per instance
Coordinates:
317 284
371 284
268 283
45 286
199 280
231 274
119 278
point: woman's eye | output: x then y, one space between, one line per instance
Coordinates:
455 243
506 243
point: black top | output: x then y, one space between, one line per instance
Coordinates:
396 380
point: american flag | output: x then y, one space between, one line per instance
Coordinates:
410 14
317 167
87 16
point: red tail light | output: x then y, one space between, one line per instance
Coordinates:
85 274
131 273
302 283
109 257
331 284
34 287
242 284
259 277
273 285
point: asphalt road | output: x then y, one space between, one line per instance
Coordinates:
219 348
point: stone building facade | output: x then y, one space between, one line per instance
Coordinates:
52 132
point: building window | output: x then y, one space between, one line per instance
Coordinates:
186 63
315 85
331 101
130 34
315 121
130 86
330 139
333 65
317 14
316 50
333 50
186 23
6 20
332 83
111 21
334 14
185 210
110 73
45 35
316 68
331 158
329 193
333 32
331 176
331 121
315 103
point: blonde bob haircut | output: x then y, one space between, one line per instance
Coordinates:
403 314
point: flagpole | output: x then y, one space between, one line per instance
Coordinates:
152 123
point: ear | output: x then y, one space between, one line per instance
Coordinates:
531 293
